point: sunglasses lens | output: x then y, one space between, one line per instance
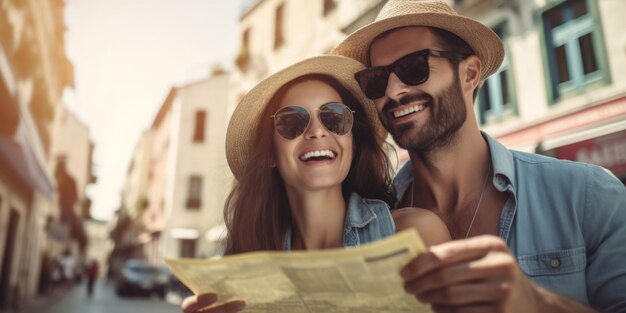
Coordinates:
373 82
413 70
337 118
291 121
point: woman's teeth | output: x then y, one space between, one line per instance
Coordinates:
317 154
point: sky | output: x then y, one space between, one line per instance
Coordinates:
127 55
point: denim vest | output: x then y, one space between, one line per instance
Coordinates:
367 220
564 221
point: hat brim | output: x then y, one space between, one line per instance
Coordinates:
485 43
241 132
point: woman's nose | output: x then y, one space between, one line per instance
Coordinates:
315 129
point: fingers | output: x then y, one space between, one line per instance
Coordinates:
228 307
466 309
472 293
496 265
461 275
201 303
452 252
195 303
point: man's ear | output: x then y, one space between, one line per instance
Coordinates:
470 73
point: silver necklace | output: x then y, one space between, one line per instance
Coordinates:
480 199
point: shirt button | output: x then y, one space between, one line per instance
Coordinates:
500 181
555 262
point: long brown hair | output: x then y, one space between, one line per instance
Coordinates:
257 212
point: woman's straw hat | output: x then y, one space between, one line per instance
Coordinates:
401 13
241 132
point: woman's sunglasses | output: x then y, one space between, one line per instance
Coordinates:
412 69
292 121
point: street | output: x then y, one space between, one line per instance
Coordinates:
104 300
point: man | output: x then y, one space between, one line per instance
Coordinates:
531 233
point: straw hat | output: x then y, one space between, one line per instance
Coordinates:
240 135
400 13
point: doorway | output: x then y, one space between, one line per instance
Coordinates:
9 247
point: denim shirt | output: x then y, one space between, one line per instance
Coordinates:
564 221
367 220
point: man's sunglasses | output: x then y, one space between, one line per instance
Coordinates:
291 121
412 69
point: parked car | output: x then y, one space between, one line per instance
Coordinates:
141 277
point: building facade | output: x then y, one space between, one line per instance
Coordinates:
561 90
178 180
34 71
201 178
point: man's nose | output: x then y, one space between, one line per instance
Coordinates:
395 87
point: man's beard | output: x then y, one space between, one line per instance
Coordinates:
447 116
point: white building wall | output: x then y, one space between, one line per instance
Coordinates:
205 159
160 168
71 140
306 31
612 14
136 183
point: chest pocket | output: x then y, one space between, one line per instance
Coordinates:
561 271
554 263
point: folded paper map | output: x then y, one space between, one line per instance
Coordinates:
359 279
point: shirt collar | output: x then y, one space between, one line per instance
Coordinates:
502 162
359 212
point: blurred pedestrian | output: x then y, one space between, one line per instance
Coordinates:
56 275
92 276
68 268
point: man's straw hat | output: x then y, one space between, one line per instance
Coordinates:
401 13
241 132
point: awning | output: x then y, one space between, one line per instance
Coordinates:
11 152
582 135
608 151
22 160
184 233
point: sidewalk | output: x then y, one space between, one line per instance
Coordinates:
40 302
104 299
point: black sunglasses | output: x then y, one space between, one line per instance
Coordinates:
412 69
291 121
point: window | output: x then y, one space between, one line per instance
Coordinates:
572 43
198 133
244 51
245 39
329 5
187 248
279 38
495 99
194 195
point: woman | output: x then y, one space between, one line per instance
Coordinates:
306 149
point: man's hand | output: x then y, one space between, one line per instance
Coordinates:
201 303
478 274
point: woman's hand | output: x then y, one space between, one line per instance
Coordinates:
201 303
